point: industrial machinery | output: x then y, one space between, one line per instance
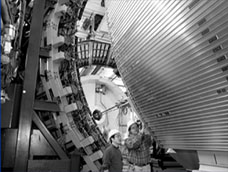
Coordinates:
52 99
171 56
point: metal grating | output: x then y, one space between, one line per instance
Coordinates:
172 58
92 52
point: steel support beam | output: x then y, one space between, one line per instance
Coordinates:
8 144
46 106
44 53
28 96
49 165
49 137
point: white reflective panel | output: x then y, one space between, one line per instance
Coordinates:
87 50
94 49
98 50
79 52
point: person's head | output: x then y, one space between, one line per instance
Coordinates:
114 137
133 127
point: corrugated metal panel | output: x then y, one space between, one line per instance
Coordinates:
173 57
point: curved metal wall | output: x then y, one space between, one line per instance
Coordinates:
172 56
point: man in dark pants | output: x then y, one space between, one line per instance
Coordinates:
112 158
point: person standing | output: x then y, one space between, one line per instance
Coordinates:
112 158
138 145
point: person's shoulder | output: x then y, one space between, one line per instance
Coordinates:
111 150
109 147
108 150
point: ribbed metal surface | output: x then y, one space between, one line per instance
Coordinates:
173 57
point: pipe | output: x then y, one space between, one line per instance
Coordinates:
5 13
115 106
20 30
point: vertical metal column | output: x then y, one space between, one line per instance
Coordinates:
26 112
